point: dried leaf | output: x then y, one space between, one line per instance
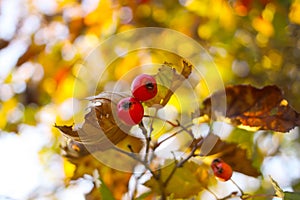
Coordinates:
76 27
278 191
283 194
264 108
94 194
101 130
235 156
32 51
115 181
3 43
192 178
168 80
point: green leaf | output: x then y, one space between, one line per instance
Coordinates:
291 195
278 191
296 187
192 178
105 192
143 196
242 137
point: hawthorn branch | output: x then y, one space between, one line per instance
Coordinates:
147 138
173 135
181 162
167 121
132 155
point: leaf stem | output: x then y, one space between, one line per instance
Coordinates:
212 193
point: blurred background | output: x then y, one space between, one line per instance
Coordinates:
253 42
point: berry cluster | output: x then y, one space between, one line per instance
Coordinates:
130 109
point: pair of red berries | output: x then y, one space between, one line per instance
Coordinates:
130 110
221 169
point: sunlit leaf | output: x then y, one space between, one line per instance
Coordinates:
144 196
283 194
115 181
101 129
32 51
192 178
105 192
242 137
294 14
94 194
278 191
168 81
264 108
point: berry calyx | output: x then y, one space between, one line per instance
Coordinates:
130 111
144 87
221 169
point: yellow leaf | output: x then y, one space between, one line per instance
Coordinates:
191 177
168 80
294 14
263 26
69 168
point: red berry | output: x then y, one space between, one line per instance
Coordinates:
221 169
144 87
130 111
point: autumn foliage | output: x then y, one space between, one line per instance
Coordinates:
263 108
231 95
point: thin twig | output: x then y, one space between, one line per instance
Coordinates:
191 154
238 187
185 129
212 193
257 195
133 156
147 138
167 121
174 134
181 163
232 194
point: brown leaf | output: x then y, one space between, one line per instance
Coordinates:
101 130
93 194
264 108
235 156
32 51
115 180
168 80
3 43
76 27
